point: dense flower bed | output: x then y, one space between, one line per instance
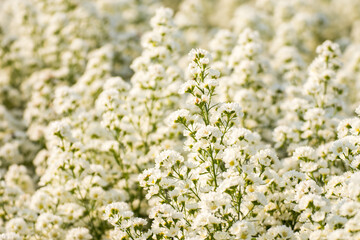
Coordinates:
115 123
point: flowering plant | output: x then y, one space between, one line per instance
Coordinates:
108 131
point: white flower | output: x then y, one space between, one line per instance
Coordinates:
198 53
213 73
281 232
305 187
213 201
243 229
187 86
266 158
205 218
163 16
231 107
79 233
168 158
305 154
221 235
10 236
116 83
10 152
114 210
17 225
207 132
230 156
180 115
349 208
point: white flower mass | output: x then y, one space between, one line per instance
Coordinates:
179 119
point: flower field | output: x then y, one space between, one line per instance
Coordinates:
187 120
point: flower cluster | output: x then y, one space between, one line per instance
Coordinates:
313 111
110 130
229 179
